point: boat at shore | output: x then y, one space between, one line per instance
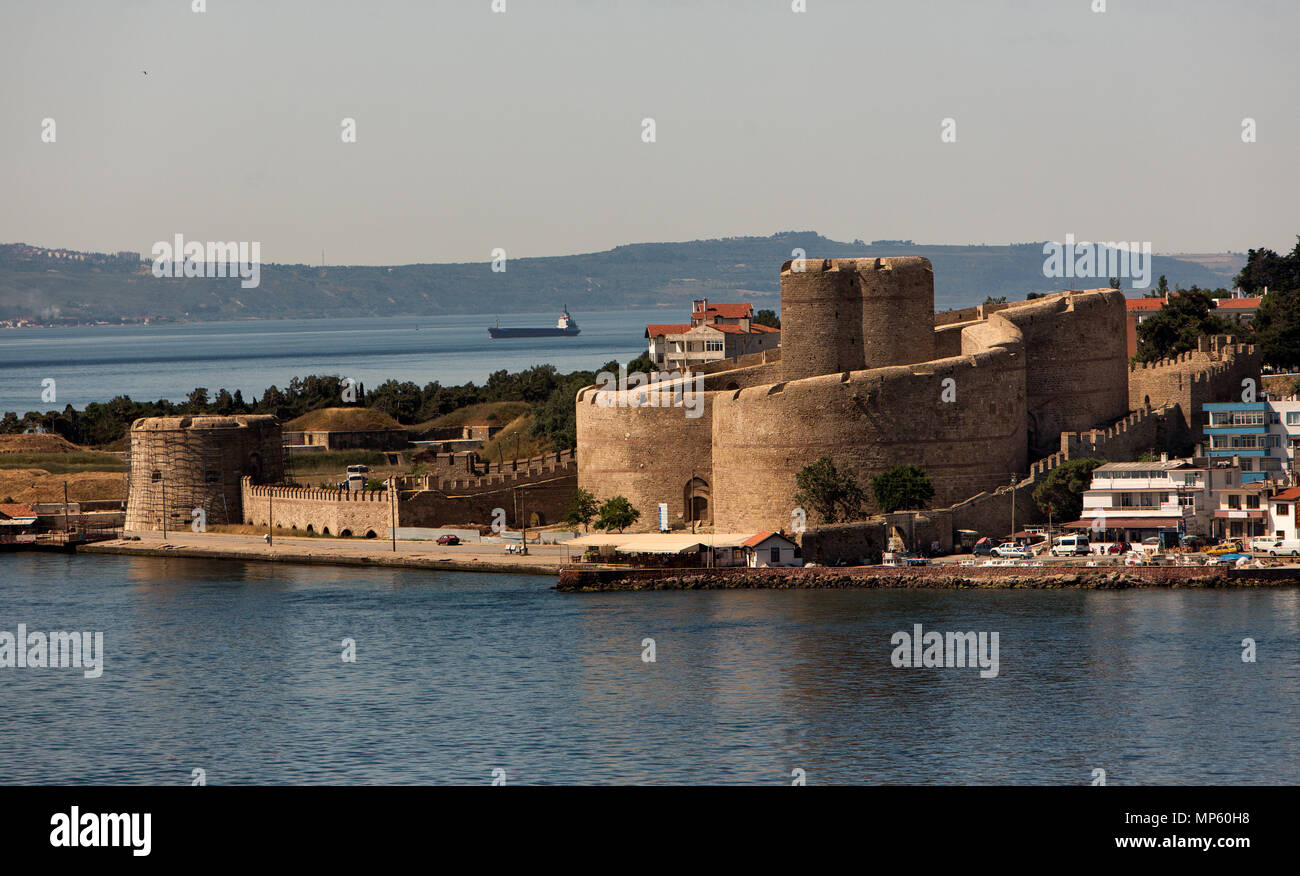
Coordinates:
565 327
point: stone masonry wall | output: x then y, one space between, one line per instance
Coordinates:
1212 373
332 512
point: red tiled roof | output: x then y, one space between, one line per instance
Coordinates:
16 510
735 310
653 331
760 537
1144 303
1241 303
735 329
1290 495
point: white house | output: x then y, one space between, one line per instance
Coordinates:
771 549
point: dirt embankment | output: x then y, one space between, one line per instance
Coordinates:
37 444
36 486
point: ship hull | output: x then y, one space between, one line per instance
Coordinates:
532 332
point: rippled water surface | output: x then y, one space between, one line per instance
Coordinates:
235 668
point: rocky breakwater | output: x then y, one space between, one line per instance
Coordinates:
942 577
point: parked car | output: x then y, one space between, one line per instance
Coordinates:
1013 552
984 547
449 539
1119 547
1231 546
1071 546
1285 547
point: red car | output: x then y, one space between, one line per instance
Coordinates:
448 539
1119 547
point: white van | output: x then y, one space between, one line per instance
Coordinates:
1071 546
1262 544
1285 547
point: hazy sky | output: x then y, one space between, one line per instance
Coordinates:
523 130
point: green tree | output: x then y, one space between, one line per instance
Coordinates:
767 318
1266 269
1176 327
582 508
1062 490
1001 299
832 494
902 488
198 400
617 514
1277 328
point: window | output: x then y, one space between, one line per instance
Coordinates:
156 476
776 555
1293 418
1234 502
211 476
1283 510
1252 502
713 346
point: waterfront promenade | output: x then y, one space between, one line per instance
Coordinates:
469 556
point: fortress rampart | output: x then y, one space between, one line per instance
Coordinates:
869 376
1214 372
329 512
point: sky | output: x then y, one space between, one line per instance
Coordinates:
523 130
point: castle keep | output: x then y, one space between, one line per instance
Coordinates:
870 377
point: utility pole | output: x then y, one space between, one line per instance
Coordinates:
392 509
66 530
270 514
1013 507
162 482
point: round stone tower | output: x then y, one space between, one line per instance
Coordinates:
182 464
842 315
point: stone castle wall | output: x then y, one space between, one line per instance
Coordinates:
1076 374
1213 373
329 512
869 421
648 454
861 382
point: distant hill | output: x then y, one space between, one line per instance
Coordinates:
58 285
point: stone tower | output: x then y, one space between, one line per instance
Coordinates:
180 464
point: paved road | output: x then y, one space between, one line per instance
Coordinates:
551 556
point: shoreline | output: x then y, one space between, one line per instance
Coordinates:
574 580
584 578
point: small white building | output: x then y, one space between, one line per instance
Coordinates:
771 549
1282 511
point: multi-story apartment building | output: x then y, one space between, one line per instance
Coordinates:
1263 435
1130 501
716 331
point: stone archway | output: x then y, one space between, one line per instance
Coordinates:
697 500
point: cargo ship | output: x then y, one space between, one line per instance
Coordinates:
565 327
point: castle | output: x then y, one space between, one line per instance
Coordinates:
869 376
